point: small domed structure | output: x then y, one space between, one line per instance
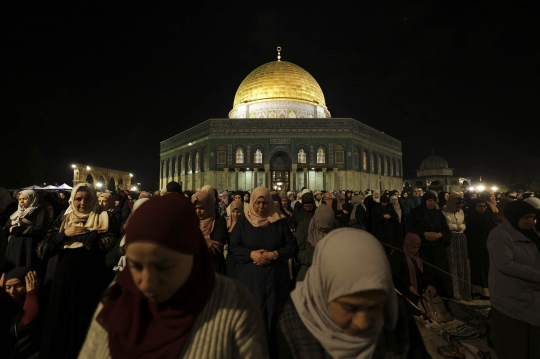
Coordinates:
433 162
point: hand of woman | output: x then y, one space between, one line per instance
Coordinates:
413 290
458 227
430 236
259 257
75 231
32 281
214 246
431 290
387 216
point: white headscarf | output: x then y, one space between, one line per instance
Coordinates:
93 220
33 200
346 261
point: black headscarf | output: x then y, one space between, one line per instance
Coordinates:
174 186
442 201
384 199
431 215
516 210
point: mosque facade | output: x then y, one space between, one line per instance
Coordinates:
279 134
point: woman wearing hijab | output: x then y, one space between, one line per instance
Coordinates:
237 210
24 230
213 229
535 202
346 306
443 197
106 204
359 214
22 284
285 204
346 208
430 225
383 218
492 209
457 254
479 224
414 200
223 203
261 243
310 232
75 245
411 276
404 197
169 303
398 225
514 283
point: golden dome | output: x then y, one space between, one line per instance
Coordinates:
279 81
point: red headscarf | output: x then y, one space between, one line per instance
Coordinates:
137 327
207 201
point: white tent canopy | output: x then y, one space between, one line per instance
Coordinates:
32 187
64 186
50 187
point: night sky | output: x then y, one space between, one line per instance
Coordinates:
104 85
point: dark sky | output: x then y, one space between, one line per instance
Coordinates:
105 84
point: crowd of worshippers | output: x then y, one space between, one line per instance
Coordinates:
259 274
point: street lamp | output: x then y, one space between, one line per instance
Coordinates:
471 188
88 168
494 189
73 166
99 185
131 175
481 188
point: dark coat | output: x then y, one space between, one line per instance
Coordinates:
402 278
434 251
219 234
383 229
268 284
20 250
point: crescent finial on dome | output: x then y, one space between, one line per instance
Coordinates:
279 53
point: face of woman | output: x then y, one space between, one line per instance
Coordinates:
235 213
157 271
261 206
24 202
357 313
384 204
83 201
405 194
376 195
15 288
416 192
492 198
431 204
285 203
458 207
237 197
291 197
414 249
103 203
246 197
473 196
446 196
527 222
201 212
342 201
394 200
481 207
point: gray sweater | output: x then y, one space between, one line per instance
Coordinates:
230 326
514 262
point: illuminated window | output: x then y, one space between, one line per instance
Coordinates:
197 162
379 164
321 158
189 169
302 156
258 156
364 160
371 162
239 155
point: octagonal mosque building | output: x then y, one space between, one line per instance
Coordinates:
279 134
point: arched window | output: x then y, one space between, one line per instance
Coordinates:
302 158
379 164
258 156
239 155
386 166
371 162
364 160
197 168
321 158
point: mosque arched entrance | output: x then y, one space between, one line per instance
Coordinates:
280 171
90 178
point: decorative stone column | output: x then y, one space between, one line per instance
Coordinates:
268 178
236 171
324 182
292 179
226 170
255 180
335 179
306 184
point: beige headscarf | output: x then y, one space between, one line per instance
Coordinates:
92 221
21 212
453 199
230 221
272 214
324 218
210 190
207 202
345 262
